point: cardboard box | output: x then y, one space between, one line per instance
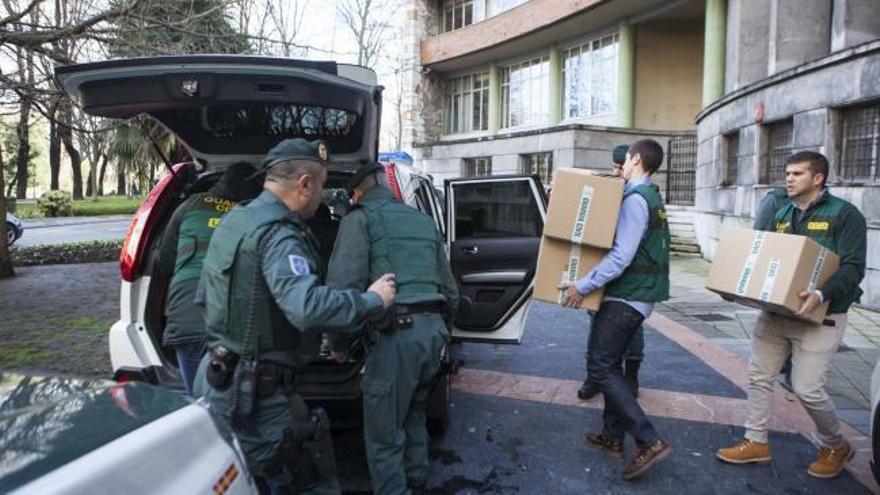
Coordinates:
768 270
584 208
561 262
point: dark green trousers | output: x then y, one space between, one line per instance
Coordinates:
399 370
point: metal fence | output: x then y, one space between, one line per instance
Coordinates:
861 143
681 160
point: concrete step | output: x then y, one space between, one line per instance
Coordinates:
681 227
684 248
679 254
678 239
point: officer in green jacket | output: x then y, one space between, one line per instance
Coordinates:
265 309
383 235
840 227
181 253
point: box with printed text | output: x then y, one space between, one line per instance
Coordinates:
561 262
768 270
584 208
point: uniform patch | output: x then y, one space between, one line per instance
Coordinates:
817 226
298 264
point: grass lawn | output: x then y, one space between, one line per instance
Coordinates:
105 205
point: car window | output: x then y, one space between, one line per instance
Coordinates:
496 209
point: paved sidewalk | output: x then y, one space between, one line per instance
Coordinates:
38 223
730 324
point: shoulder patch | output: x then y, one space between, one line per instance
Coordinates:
298 264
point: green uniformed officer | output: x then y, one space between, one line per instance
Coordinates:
381 234
265 309
180 256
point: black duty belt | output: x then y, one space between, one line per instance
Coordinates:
273 376
428 307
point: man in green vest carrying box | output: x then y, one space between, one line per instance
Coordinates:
840 227
635 274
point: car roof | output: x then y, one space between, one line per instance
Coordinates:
48 421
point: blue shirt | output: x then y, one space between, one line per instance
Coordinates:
631 227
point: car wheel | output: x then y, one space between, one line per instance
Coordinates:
11 234
439 405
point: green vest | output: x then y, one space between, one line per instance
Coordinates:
403 241
232 281
819 223
646 279
203 215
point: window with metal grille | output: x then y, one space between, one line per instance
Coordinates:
540 164
477 167
779 146
525 92
457 14
731 158
466 103
860 156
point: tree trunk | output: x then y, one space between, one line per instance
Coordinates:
24 148
89 182
101 174
54 152
75 157
120 181
5 260
93 177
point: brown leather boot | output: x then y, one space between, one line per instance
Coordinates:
647 456
830 462
603 442
745 452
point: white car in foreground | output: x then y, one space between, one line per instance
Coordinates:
79 436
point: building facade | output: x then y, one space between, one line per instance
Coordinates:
512 86
799 75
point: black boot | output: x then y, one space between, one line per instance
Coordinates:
631 375
588 390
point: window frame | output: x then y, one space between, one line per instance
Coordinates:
526 163
732 156
532 116
869 111
461 8
476 163
472 99
585 50
778 155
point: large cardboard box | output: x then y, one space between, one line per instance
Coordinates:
561 262
584 208
768 270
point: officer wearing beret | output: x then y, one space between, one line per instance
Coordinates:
383 235
265 308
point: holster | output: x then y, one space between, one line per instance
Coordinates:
220 368
244 390
306 451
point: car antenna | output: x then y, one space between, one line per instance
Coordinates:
161 155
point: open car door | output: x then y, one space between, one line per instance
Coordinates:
494 227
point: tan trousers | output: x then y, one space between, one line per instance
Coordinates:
812 348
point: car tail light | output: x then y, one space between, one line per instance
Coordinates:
139 231
391 174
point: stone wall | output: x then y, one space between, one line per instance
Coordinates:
812 95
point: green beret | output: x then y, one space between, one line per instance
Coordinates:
295 149
618 155
363 170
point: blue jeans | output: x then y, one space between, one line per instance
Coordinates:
614 326
188 357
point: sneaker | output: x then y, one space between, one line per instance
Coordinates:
588 390
830 462
647 456
745 452
603 442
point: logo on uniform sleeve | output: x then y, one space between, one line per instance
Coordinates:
298 264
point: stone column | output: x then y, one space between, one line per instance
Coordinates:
555 100
854 22
714 49
626 57
494 99
799 32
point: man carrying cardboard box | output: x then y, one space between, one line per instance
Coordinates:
635 351
840 227
635 274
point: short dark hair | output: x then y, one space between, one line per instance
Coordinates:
651 153
817 162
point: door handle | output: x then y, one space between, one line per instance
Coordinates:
470 250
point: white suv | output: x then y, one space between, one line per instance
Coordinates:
226 109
